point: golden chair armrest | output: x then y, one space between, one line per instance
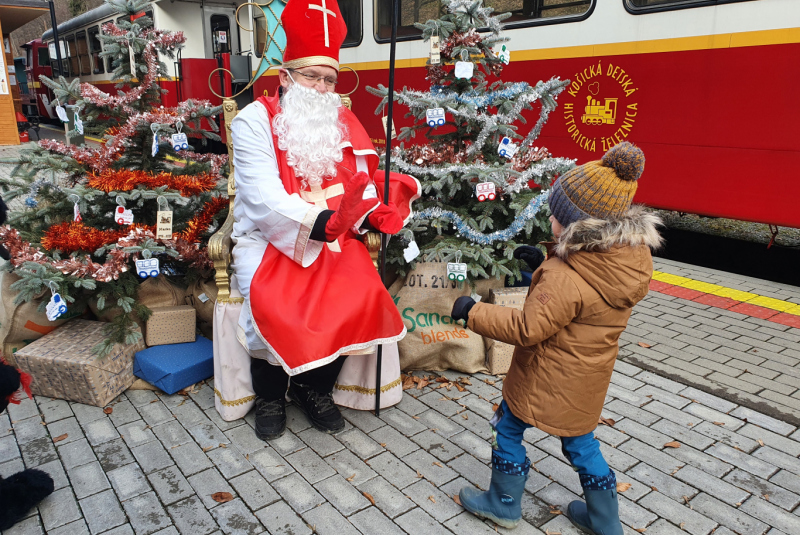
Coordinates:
219 250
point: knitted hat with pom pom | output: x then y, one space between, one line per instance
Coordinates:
602 189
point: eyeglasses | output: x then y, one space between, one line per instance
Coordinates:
314 79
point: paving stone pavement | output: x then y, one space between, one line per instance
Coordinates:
748 361
153 464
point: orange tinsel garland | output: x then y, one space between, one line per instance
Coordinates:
200 223
75 236
126 180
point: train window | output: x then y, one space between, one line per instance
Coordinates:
221 34
523 13
72 53
44 57
650 6
351 13
83 53
95 47
64 70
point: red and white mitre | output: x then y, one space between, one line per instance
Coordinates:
315 31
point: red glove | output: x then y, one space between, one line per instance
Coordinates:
386 219
352 208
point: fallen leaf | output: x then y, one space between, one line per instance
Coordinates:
368 496
222 497
489 382
465 381
607 421
465 416
431 498
548 532
247 456
408 382
415 417
154 401
495 407
681 525
208 448
554 511
459 387
442 380
422 383
640 530
59 438
108 410
766 497
673 444
383 444
649 395
738 504
719 423
351 478
418 474
437 464
622 487
457 499
654 488
646 346
221 445
761 442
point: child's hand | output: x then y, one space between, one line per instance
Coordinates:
461 308
530 255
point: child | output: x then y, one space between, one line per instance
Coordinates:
566 336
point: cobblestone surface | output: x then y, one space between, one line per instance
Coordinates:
152 465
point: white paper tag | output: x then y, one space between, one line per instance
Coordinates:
475 297
456 271
203 298
411 252
147 268
164 225
504 54
62 113
507 149
436 58
56 307
485 191
154 148
435 117
464 69
180 141
78 124
76 213
394 132
123 216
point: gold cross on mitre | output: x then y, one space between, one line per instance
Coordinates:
325 12
319 197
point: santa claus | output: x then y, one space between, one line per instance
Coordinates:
308 188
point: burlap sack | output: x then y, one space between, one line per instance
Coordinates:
22 324
153 292
202 295
435 342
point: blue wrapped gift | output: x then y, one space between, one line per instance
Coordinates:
173 367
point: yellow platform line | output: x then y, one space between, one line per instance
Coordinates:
721 291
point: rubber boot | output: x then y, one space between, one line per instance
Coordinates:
600 514
502 503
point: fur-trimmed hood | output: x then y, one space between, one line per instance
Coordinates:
613 256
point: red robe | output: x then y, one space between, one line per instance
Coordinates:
338 305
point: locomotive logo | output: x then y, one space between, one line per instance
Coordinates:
600 107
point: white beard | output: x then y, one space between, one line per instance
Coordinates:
308 129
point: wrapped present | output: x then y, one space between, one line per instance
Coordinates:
171 325
63 365
174 367
498 354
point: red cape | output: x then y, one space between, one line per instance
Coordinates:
310 316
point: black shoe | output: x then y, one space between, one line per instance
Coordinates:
319 408
270 418
20 492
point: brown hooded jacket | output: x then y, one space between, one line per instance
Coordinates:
566 334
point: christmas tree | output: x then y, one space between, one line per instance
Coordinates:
484 186
86 214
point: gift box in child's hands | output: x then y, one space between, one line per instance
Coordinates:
174 367
498 354
63 364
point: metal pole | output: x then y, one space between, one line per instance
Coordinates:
384 238
54 24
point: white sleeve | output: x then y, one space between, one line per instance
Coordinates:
285 220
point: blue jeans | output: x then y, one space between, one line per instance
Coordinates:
583 452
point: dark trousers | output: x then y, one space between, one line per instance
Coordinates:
270 382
